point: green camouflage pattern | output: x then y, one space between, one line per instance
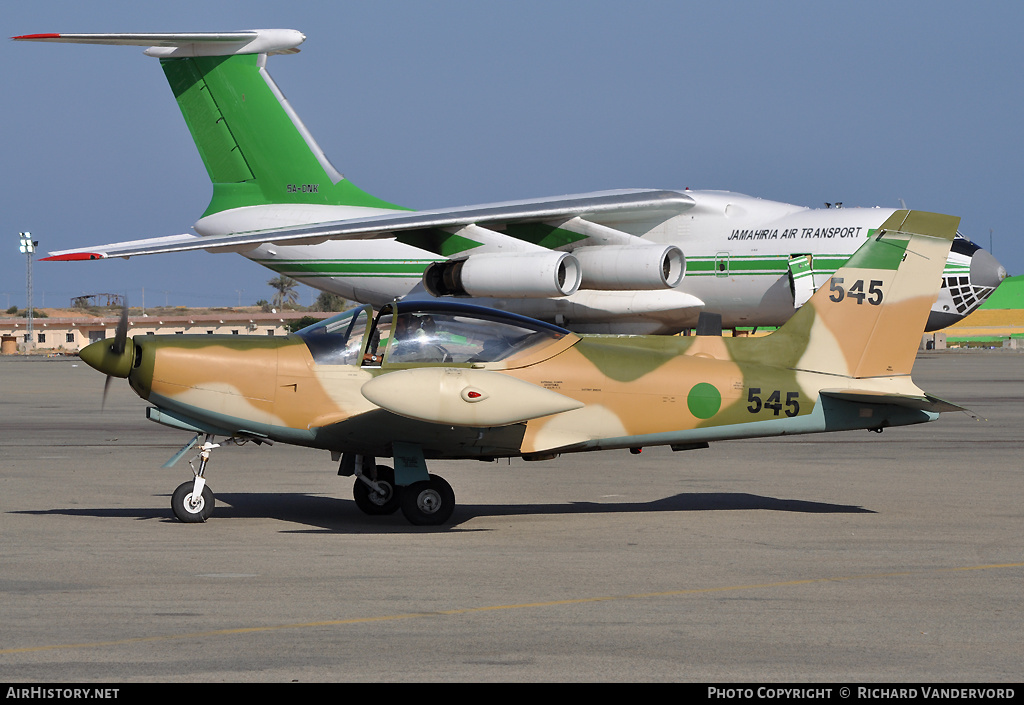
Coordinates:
842 362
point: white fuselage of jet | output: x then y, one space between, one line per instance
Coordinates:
740 253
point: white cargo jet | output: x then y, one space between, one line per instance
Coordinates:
623 261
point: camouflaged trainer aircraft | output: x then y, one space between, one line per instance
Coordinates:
622 261
426 380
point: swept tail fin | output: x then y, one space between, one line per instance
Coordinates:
255 148
868 319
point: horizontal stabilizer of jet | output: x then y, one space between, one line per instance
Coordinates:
177 44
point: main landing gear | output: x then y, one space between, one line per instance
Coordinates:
377 495
427 502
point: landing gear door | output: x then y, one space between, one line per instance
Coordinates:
801 279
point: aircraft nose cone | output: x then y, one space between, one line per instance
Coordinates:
102 356
92 354
986 270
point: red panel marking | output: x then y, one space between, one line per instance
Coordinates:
73 257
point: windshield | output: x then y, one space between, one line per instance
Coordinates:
425 333
338 340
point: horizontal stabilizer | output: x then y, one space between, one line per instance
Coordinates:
180 44
924 402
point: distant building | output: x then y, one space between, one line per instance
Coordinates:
71 334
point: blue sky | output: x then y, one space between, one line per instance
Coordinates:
447 103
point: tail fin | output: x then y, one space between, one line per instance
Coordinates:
868 320
254 147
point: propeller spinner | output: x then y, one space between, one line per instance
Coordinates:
113 357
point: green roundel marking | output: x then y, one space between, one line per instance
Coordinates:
704 400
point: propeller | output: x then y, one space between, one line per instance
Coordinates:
117 348
112 356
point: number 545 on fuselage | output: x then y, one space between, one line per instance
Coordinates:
426 380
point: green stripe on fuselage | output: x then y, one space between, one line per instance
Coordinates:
750 265
448 245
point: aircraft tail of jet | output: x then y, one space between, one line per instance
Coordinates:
867 321
255 148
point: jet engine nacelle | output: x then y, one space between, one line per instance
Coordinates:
508 275
631 268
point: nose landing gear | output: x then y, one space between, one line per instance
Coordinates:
190 506
192 502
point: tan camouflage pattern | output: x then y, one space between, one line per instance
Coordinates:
855 339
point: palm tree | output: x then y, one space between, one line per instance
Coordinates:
284 288
327 301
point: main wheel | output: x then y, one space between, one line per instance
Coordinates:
428 502
377 503
192 510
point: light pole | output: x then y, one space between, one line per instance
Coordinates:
28 247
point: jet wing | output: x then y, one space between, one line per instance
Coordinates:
588 208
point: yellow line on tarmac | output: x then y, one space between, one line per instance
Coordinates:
496 608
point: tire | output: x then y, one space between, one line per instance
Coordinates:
181 503
428 502
371 502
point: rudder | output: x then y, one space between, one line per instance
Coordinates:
868 319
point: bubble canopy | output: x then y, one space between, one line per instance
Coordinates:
427 332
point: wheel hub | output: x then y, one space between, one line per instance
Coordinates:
429 501
382 494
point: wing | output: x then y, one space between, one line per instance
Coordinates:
566 222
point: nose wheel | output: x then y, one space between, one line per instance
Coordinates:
192 502
190 506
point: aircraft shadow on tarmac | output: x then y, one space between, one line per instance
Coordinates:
341 515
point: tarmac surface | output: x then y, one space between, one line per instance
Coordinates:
851 557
